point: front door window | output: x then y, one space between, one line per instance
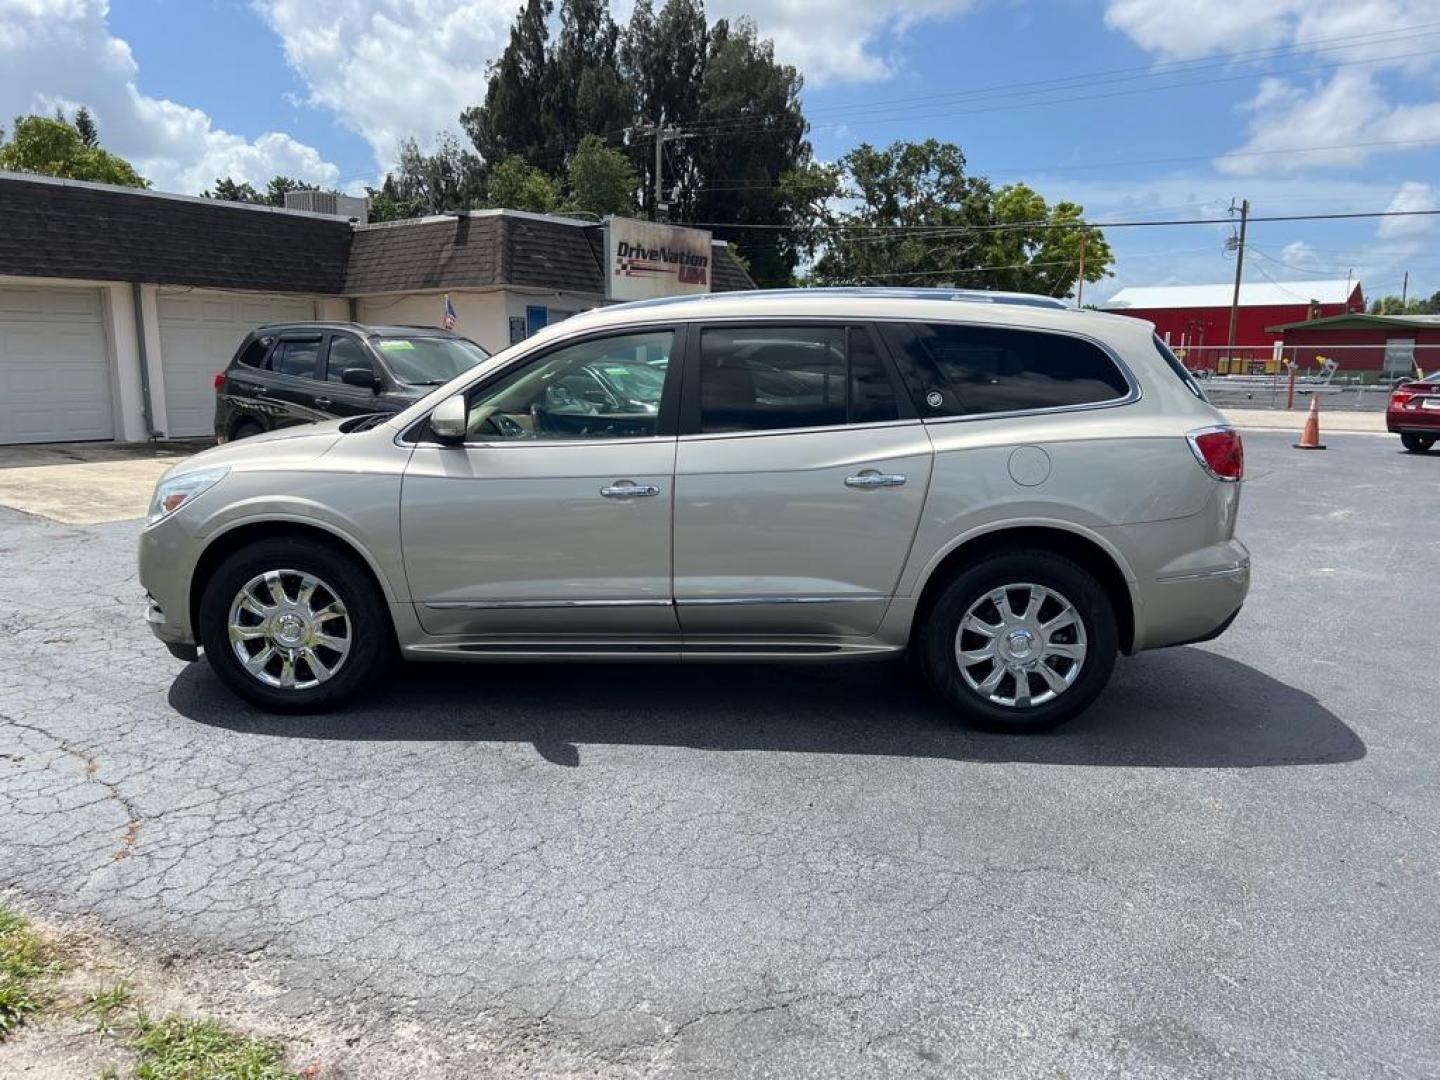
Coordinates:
601 388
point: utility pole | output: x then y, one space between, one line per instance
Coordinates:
663 134
1404 291
1080 285
1239 270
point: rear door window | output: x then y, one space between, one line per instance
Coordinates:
765 378
296 356
961 370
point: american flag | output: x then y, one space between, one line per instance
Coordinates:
449 319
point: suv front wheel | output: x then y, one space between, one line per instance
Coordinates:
1020 642
293 625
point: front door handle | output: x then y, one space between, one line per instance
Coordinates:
323 403
628 489
870 478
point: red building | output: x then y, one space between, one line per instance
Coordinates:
1398 345
1196 318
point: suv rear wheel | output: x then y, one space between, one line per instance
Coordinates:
1020 642
1417 444
293 625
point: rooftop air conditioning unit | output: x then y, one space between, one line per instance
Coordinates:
329 202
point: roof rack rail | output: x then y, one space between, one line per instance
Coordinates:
973 296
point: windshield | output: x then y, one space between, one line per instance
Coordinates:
428 361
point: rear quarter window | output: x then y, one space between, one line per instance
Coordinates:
253 355
960 370
1181 371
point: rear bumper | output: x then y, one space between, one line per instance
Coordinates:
1413 422
1192 598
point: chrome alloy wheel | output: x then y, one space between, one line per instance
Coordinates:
289 629
1020 645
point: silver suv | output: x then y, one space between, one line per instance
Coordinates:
1013 490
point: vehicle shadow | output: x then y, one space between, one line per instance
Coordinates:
1178 708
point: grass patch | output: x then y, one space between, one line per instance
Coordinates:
104 1002
177 1048
24 967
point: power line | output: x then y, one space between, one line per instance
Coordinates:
1004 226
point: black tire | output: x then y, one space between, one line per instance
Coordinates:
1417 444
244 429
1067 581
364 620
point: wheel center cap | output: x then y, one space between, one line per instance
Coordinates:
1020 644
289 629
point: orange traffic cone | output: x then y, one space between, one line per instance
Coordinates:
1310 437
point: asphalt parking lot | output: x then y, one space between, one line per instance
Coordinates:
1227 868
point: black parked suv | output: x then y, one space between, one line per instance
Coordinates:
298 373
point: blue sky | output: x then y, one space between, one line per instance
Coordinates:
1168 108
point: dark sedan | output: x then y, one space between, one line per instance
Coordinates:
298 373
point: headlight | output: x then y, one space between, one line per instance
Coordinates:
170 495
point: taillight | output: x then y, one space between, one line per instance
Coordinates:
219 379
1220 452
1401 397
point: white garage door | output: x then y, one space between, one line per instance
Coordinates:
199 333
54 366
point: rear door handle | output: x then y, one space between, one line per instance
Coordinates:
628 489
870 478
259 391
322 402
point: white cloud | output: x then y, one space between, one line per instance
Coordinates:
1301 256
1412 232
62 52
837 41
390 69
1389 39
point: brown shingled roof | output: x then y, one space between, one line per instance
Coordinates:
52 228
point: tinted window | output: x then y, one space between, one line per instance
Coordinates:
346 352
766 378
963 370
1181 371
254 354
295 357
595 389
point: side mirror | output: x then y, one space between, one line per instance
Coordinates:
360 376
447 421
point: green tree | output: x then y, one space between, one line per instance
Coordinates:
1393 305
87 129
750 134
513 118
916 218
584 91
231 190
600 180
1039 250
913 205
516 185
53 147
449 178
662 59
